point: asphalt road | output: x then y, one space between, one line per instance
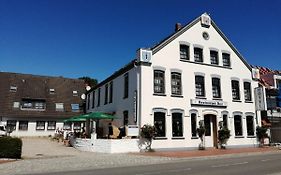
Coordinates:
261 164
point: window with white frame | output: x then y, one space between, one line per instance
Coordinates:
75 107
214 56
247 91
67 125
226 59
238 125
176 83
77 126
75 93
51 125
216 87
250 125
16 104
235 90
52 91
160 124
13 88
225 121
11 124
59 107
199 86
40 125
159 81
184 52
23 125
198 54
177 124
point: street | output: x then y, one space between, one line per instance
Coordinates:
261 164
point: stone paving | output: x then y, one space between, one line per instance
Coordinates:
41 155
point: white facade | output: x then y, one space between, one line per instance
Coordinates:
144 104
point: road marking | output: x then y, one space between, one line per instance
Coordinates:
172 171
225 165
265 160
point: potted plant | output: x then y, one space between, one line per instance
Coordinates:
261 132
148 132
223 135
201 133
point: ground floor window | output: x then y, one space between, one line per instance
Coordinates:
67 126
177 124
238 125
160 124
11 124
40 125
23 125
51 125
250 125
224 121
193 125
77 126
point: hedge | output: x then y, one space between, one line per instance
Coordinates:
10 147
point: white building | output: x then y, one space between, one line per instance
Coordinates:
194 74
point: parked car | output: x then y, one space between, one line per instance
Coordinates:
2 131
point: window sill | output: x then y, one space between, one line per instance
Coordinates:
239 137
198 97
239 101
160 138
125 97
249 102
178 138
156 94
219 99
194 137
178 96
251 136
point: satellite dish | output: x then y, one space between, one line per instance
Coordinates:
83 96
88 88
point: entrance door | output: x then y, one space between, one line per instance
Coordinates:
210 122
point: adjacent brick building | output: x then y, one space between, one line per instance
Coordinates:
37 105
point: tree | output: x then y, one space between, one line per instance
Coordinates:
261 132
90 81
201 133
223 135
148 132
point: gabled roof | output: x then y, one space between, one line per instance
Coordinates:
265 70
169 39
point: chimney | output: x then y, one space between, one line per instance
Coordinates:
177 27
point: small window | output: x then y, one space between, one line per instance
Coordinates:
199 86
126 85
93 99
88 101
75 107
224 119
23 125
13 88
176 83
59 107
98 97
51 125
77 126
75 93
110 92
106 94
216 87
214 57
40 125
238 125
198 55
52 91
177 124
16 105
160 124
67 126
125 118
184 52
250 125
226 59
159 82
247 91
235 90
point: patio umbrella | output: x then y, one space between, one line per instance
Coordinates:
97 116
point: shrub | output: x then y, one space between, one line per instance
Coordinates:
148 132
261 132
10 147
223 136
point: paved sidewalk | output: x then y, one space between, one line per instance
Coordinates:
41 155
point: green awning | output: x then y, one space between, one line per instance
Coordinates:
97 116
74 119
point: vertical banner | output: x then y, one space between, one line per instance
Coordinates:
260 101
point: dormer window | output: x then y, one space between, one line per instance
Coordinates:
75 93
52 91
13 88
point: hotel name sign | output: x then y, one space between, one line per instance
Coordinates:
214 103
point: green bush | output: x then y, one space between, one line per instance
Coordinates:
10 147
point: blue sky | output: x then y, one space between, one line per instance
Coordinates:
74 38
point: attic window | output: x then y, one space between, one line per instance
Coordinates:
13 88
75 93
52 91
